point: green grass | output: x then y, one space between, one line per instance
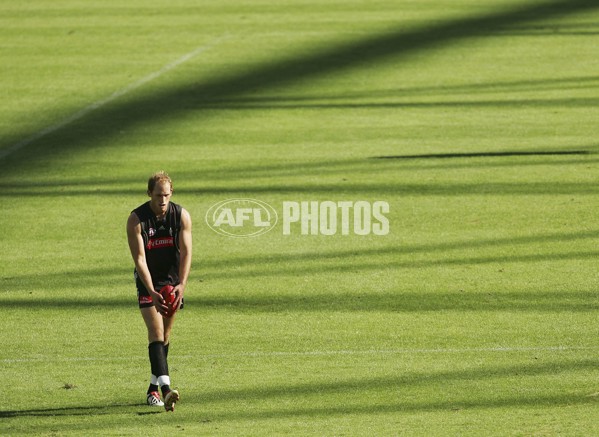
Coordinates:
476 315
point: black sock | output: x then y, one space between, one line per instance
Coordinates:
165 388
158 358
154 387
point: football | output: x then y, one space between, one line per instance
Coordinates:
169 296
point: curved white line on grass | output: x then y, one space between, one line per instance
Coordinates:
83 112
315 353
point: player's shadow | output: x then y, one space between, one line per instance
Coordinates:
96 410
108 121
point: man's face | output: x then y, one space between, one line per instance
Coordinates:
160 197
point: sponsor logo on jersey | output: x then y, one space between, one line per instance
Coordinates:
145 299
158 243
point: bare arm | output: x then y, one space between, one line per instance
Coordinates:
136 245
185 248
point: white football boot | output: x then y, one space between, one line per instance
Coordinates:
154 399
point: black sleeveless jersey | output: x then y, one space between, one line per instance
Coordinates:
161 242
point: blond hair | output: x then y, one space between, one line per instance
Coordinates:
159 177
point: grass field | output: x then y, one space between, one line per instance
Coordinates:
475 120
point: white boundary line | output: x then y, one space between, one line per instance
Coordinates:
315 353
83 112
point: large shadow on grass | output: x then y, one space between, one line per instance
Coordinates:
376 190
332 409
234 178
486 154
340 176
331 392
347 397
389 301
498 257
572 83
109 120
571 102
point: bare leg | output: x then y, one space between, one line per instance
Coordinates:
159 329
167 323
154 324
158 362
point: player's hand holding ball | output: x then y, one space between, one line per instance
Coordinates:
170 300
179 291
